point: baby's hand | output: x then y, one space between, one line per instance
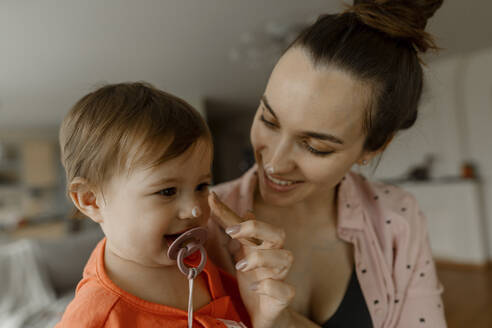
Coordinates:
262 264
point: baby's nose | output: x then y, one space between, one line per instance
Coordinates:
190 212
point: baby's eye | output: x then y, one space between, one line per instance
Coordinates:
203 186
168 192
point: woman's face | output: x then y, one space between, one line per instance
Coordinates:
308 129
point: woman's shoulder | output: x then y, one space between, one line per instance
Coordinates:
384 197
394 222
392 211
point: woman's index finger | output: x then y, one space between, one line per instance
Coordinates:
226 217
222 213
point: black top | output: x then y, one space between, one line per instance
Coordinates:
352 311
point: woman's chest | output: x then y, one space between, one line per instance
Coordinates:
321 274
321 271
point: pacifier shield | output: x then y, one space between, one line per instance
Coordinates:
189 240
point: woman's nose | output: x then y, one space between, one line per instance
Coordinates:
281 160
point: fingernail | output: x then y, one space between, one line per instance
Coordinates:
233 229
254 286
241 264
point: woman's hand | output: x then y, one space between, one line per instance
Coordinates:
261 265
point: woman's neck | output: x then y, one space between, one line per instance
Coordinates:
320 208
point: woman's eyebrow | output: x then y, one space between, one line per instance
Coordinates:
316 135
323 136
264 100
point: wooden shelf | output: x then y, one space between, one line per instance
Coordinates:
43 231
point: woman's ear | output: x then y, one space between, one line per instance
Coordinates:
85 198
367 156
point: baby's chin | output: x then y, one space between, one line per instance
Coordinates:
158 261
154 259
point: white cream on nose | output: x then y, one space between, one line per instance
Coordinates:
269 168
196 212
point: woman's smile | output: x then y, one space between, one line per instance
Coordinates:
280 185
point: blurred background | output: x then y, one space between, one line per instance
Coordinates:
217 55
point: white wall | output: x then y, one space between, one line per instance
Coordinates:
477 84
455 124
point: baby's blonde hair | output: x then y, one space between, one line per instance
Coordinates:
121 126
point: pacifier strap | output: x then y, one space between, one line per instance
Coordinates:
191 278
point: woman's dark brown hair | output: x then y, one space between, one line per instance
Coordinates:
377 42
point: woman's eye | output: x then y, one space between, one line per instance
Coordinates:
315 151
267 123
203 186
168 192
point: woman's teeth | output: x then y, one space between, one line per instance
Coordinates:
280 182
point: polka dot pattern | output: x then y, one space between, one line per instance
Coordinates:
394 216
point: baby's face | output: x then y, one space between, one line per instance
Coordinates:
145 210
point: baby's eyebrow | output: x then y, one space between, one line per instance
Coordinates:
164 181
206 176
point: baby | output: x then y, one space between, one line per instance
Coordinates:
138 163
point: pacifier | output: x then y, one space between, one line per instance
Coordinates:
185 245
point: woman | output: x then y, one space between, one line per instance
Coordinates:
337 97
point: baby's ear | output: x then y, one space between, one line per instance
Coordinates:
84 197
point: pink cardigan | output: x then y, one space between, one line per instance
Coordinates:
392 255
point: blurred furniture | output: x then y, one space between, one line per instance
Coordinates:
45 231
456 222
38 163
467 296
25 289
53 262
31 182
230 125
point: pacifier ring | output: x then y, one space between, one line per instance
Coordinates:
191 272
187 244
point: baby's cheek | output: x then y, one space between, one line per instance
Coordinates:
206 212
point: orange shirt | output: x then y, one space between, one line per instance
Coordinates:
99 302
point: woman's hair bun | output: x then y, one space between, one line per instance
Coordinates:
404 19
